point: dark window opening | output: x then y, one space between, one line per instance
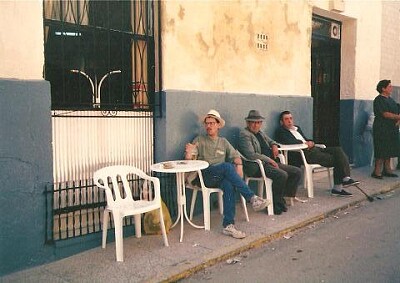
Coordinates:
99 54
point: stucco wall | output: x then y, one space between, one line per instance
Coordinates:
25 169
21 39
25 144
211 46
390 55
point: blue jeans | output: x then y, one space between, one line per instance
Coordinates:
224 176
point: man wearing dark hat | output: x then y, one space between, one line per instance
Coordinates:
225 167
255 144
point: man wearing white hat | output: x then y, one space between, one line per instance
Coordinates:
225 167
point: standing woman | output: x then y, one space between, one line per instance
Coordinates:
385 130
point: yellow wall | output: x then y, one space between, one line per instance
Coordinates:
21 39
390 55
211 46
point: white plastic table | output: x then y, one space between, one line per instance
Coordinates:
180 167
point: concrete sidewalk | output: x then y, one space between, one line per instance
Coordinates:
147 260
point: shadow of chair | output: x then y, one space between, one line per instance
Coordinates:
129 192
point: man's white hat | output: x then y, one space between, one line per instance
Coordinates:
214 114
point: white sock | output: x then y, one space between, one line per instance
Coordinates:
345 179
337 187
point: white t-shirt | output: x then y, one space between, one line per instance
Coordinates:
296 134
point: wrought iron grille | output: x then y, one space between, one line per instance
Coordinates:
75 209
100 62
100 54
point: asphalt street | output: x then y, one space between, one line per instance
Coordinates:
359 244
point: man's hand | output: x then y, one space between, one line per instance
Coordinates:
310 144
275 151
189 148
273 163
238 166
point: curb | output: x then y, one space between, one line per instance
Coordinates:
260 240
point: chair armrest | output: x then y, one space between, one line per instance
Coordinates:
320 145
282 158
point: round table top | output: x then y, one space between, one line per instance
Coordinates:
179 166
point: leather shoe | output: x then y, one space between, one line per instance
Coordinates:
283 207
277 210
389 175
373 175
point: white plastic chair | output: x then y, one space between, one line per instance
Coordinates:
206 200
262 181
126 197
310 168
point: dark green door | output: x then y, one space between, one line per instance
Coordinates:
325 81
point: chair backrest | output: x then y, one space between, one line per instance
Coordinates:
126 184
260 163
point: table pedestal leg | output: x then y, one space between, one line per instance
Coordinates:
181 198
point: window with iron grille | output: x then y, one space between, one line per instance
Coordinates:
99 54
101 60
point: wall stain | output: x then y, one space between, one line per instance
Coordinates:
228 19
171 23
202 43
181 13
290 27
232 42
250 30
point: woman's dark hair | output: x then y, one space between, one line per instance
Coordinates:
382 84
283 113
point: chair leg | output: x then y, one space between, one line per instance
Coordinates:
310 184
119 245
330 178
192 204
138 225
260 189
206 210
106 216
220 203
268 193
245 208
163 231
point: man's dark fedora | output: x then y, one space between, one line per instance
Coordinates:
254 116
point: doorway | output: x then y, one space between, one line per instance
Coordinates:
325 80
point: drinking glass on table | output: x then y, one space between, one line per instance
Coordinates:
192 150
194 153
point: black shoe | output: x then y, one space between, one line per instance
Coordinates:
389 175
350 182
341 193
283 207
277 210
373 175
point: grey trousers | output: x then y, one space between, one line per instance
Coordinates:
285 179
330 157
